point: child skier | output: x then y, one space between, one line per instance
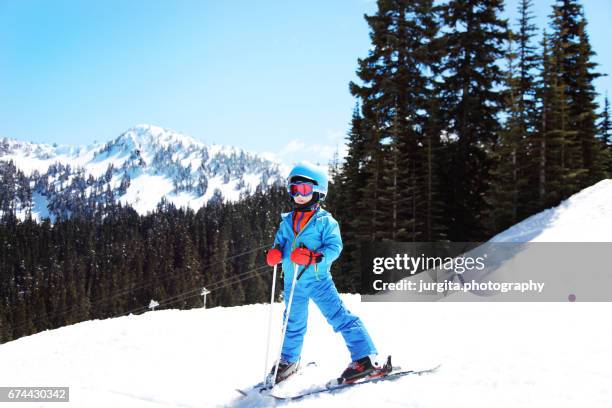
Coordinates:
310 237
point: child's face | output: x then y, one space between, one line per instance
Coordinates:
302 200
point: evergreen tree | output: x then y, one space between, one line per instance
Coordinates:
605 135
543 146
348 192
605 126
81 268
473 40
513 190
525 91
387 167
508 153
5 331
582 154
527 64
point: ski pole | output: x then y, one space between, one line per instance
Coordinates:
288 311
270 324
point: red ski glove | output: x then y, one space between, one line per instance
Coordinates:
274 256
304 256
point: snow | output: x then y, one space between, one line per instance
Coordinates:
582 228
40 209
98 165
144 192
584 217
30 157
507 355
146 153
494 354
186 200
252 181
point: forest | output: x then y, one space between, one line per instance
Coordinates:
464 124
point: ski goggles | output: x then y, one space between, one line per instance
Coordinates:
302 188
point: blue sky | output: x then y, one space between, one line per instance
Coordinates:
268 76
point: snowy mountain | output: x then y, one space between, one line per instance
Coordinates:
140 167
493 354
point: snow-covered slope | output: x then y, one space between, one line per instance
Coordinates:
494 354
139 167
584 217
503 355
573 236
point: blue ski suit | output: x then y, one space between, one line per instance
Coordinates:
320 234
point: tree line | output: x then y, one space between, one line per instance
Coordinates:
462 127
83 268
466 123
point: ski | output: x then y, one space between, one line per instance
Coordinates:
393 375
260 387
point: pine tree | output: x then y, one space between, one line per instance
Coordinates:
582 155
594 154
562 172
473 41
514 190
386 141
541 145
348 182
508 153
526 89
605 135
527 63
5 330
80 268
373 70
432 211
605 126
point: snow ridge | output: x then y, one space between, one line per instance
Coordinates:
584 217
140 167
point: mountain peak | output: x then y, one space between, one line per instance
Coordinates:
140 167
146 135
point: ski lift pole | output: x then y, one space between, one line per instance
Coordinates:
288 313
204 293
270 323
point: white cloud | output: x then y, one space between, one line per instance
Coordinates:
322 153
293 146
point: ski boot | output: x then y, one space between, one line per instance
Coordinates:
365 368
285 370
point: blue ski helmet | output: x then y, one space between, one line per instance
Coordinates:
315 173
